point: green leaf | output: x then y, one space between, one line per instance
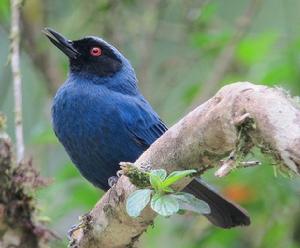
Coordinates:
175 176
161 173
157 177
168 190
164 205
191 203
137 201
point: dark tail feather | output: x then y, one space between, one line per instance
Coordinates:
224 213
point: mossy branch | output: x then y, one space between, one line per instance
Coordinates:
240 116
137 176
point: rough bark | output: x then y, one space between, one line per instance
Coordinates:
16 75
239 117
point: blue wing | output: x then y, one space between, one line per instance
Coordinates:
142 122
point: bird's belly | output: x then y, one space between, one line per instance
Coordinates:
95 140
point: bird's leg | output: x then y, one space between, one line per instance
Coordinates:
114 179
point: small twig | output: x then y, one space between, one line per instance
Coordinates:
227 165
16 74
246 164
235 157
241 119
232 162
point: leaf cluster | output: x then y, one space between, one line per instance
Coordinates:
162 198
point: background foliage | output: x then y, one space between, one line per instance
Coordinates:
183 52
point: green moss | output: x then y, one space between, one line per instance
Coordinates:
136 176
244 142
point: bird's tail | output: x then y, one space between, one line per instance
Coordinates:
224 213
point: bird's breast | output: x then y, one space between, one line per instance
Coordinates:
79 113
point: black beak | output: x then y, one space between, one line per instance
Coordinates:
65 45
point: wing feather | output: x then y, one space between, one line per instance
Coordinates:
142 122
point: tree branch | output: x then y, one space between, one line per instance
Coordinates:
239 117
16 73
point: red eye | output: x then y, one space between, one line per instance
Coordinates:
96 51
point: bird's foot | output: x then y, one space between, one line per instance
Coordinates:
112 181
120 173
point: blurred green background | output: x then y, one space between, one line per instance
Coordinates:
183 52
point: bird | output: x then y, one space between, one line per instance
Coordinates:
101 118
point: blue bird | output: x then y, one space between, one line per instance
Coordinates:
101 118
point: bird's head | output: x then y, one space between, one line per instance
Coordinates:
90 55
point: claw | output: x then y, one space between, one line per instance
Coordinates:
120 173
112 181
